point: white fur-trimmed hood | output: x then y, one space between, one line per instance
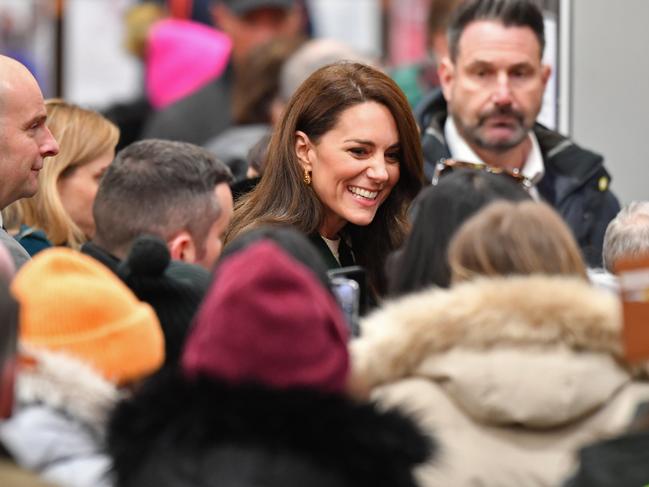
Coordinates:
66 384
508 349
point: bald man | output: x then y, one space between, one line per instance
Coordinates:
24 141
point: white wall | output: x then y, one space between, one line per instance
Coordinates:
610 89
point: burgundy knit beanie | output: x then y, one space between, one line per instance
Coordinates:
267 320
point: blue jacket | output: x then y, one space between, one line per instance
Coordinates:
575 183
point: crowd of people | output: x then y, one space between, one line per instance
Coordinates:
171 304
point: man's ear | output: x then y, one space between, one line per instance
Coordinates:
546 72
182 247
303 150
446 74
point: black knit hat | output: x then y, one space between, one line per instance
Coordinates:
174 289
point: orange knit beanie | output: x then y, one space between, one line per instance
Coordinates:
72 303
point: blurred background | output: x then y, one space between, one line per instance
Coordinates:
76 49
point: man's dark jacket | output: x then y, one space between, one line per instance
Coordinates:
575 181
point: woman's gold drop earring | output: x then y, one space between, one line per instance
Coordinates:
307 178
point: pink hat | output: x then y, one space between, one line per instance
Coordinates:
183 56
266 320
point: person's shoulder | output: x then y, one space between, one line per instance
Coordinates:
18 253
554 144
564 156
195 118
205 97
32 239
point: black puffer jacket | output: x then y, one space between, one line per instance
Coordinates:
620 462
575 182
204 433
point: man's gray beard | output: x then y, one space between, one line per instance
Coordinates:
472 137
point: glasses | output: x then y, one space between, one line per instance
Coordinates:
445 165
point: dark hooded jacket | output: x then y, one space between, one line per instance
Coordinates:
183 433
575 183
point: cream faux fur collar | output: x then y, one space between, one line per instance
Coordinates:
66 384
525 310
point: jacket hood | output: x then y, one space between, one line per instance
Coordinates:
511 350
359 442
68 385
58 425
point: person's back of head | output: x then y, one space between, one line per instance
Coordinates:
68 182
440 13
627 236
437 212
258 81
508 238
161 188
287 238
313 55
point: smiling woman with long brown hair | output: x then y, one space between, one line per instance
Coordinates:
343 165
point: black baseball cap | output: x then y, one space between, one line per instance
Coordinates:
242 7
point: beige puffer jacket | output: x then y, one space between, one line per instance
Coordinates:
511 375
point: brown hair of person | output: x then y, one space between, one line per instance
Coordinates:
439 16
257 82
281 197
507 238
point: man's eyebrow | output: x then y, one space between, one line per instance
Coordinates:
36 119
522 64
479 63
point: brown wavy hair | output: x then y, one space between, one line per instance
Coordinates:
281 197
508 238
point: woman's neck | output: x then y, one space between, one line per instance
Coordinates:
332 226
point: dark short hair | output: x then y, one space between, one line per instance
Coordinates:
511 13
438 213
157 187
293 242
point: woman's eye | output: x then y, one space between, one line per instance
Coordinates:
358 151
393 157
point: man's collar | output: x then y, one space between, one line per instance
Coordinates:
533 168
457 146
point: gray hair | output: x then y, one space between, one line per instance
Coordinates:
312 56
627 236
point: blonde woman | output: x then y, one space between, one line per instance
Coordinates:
513 368
61 212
